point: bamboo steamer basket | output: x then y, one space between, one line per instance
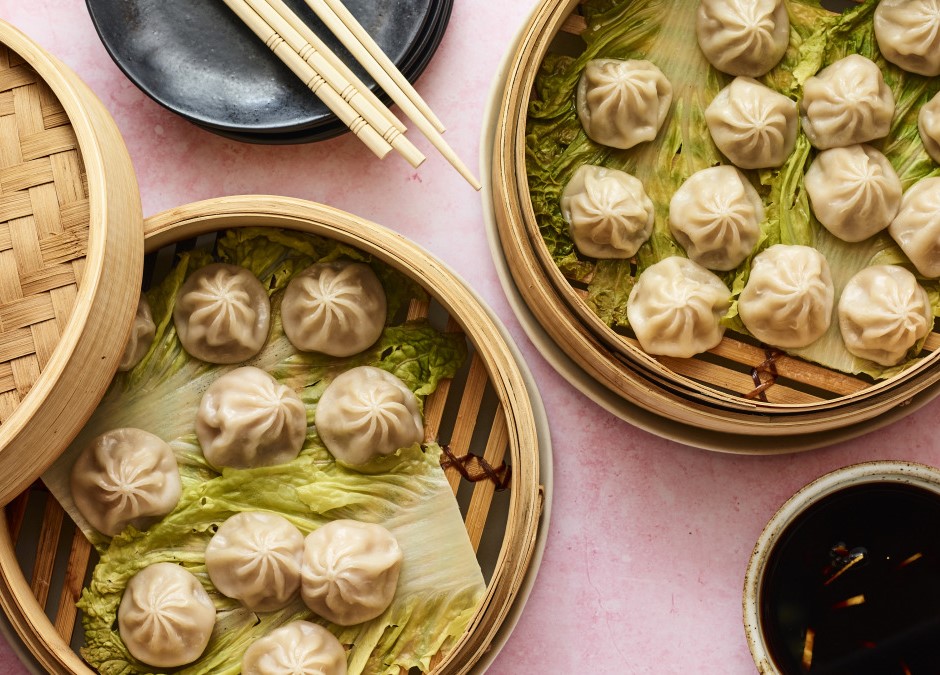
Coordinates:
739 387
484 415
71 250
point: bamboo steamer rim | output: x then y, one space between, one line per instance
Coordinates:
525 506
602 353
89 348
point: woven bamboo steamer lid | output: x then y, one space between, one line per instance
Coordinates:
71 252
710 390
511 431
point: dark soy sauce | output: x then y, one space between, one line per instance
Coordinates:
853 585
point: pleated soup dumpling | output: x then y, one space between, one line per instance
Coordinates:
846 103
222 314
255 557
676 306
125 477
715 216
166 617
854 191
367 412
908 34
336 308
788 299
622 103
916 228
743 37
350 571
753 126
248 419
928 123
141 337
297 648
883 313
608 212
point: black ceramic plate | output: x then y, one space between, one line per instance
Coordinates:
197 59
412 65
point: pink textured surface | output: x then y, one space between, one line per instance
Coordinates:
649 539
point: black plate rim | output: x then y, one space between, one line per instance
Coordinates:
429 35
333 127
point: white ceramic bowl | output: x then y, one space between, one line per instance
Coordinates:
890 472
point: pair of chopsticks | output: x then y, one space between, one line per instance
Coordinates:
337 86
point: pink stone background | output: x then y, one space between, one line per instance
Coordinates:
649 539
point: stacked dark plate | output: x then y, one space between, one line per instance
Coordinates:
199 61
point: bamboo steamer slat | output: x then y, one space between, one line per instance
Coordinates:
710 390
71 250
509 425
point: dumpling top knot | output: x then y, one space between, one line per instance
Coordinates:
743 37
334 308
222 314
622 103
846 103
908 34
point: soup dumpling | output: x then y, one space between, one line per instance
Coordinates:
743 37
928 123
222 314
883 313
125 477
166 617
622 103
247 419
715 216
753 126
788 299
367 412
142 332
916 228
846 103
337 308
908 34
255 557
350 571
297 647
854 191
608 212
676 306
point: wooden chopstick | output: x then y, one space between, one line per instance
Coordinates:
362 35
358 85
378 73
367 134
272 12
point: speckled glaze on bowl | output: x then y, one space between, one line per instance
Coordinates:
891 472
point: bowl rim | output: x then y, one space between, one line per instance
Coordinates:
864 473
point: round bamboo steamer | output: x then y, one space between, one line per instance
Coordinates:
71 250
511 432
709 390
